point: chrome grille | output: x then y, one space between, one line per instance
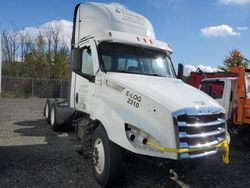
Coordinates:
199 128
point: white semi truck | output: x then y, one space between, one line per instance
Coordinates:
124 95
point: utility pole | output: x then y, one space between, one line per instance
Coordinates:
0 62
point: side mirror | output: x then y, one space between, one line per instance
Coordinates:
76 59
180 71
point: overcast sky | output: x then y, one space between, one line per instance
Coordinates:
201 32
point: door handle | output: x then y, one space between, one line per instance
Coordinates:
77 96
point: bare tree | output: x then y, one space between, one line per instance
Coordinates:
14 42
55 34
11 44
48 33
6 46
45 54
29 45
26 44
22 44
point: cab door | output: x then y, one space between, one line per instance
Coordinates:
85 80
221 91
214 88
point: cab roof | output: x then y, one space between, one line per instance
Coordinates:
91 17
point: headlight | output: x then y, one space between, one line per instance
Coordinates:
139 138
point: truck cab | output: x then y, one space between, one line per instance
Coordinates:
124 95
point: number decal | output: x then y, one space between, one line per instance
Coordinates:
133 99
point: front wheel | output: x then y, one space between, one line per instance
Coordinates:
107 158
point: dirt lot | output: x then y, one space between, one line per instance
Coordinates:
32 155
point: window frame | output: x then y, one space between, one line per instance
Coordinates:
90 77
87 47
208 83
102 66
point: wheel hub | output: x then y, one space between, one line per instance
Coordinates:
52 116
46 111
99 156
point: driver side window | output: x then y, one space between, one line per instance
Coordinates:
214 89
87 63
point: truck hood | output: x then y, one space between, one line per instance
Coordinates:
171 93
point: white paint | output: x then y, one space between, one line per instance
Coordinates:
106 99
159 90
100 17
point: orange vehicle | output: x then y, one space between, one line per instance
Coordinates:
242 113
231 89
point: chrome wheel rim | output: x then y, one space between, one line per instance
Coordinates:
52 116
47 111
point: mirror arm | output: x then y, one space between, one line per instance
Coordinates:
180 71
89 77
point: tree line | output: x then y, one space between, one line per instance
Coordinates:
45 55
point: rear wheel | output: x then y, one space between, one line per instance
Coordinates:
46 111
107 158
54 125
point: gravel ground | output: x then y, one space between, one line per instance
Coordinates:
32 155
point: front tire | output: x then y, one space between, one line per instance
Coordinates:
107 158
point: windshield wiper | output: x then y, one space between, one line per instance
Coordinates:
160 75
123 71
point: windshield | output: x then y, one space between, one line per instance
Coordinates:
116 57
